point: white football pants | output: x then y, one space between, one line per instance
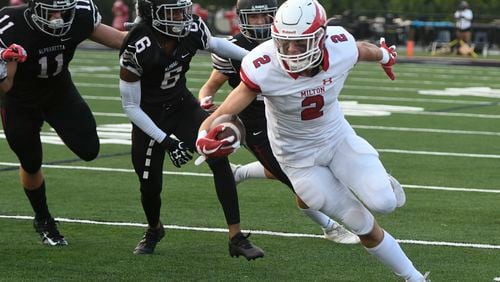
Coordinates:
341 175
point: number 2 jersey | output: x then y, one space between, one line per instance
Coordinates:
303 113
38 77
163 76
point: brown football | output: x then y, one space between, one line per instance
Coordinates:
232 127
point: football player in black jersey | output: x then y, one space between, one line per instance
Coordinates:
255 18
154 60
41 90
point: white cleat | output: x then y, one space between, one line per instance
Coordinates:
338 234
237 176
398 192
424 278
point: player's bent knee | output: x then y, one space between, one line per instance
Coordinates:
359 220
383 203
31 167
381 198
89 153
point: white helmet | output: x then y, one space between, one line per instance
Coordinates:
300 23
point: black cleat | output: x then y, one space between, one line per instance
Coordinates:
48 232
240 245
148 243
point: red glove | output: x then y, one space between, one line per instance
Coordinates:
208 146
206 102
388 58
14 53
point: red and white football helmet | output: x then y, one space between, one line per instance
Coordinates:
298 33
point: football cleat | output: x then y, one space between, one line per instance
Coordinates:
148 243
398 191
48 232
338 234
237 176
240 245
425 278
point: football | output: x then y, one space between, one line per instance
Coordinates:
233 127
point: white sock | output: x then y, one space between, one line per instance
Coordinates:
252 170
320 218
391 254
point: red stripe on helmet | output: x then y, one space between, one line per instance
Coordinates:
319 19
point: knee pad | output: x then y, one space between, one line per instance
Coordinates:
358 220
382 199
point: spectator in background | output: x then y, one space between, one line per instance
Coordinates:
232 18
202 13
463 17
16 2
120 14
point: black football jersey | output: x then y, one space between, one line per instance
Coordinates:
163 76
48 56
254 115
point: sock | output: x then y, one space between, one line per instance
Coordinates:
252 170
320 218
38 201
151 206
390 253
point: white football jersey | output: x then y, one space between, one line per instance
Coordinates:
303 113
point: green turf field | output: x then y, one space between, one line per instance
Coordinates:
443 145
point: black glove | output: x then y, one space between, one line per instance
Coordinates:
178 152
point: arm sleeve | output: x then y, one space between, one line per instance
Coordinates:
131 100
225 49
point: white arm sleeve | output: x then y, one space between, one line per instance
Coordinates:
226 49
131 101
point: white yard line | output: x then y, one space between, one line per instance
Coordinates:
447 154
427 130
351 97
108 169
261 232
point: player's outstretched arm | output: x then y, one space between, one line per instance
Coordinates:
108 36
209 89
383 54
226 49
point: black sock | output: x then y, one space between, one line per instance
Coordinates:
151 206
38 202
225 189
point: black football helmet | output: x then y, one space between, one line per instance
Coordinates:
170 17
53 17
246 8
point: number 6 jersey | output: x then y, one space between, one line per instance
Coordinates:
48 56
163 76
303 113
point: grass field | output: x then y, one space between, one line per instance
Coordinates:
443 146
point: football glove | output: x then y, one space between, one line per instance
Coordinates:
388 58
208 146
14 53
178 152
207 103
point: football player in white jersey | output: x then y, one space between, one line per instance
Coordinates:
255 20
300 73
